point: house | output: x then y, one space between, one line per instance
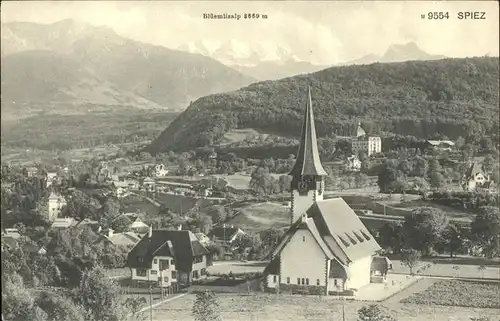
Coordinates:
441 145
121 188
64 222
31 171
327 249
55 204
126 239
353 164
225 234
168 258
50 178
34 249
149 184
134 223
475 178
204 240
160 170
369 144
94 225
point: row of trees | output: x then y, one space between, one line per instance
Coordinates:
428 231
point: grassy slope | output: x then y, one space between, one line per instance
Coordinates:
387 97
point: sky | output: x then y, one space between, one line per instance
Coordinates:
322 32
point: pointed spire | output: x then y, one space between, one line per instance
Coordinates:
308 162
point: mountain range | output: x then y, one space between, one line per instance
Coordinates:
271 61
68 63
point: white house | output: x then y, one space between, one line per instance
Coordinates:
168 258
161 170
353 163
55 205
368 144
327 249
475 178
443 145
64 222
50 178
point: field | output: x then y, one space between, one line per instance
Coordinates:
64 132
237 181
270 307
262 216
459 293
239 135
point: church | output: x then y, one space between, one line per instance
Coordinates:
327 249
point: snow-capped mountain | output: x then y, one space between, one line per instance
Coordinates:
395 53
237 52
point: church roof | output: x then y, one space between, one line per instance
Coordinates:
337 229
359 131
308 162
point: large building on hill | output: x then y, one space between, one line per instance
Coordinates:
327 249
362 142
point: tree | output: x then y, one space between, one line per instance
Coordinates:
420 166
454 238
387 176
485 230
374 313
489 163
262 182
391 236
100 297
361 180
284 183
424 228
410 258
206 307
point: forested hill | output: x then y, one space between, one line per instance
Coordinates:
450 97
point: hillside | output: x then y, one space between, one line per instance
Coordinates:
70 62
419 98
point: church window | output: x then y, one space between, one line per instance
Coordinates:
346 244
303 238
365 235
351 239
317 281
288 280
298 280
335 282
307 281
303 282
274 278
358 237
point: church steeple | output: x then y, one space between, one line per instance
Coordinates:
308 162
307 183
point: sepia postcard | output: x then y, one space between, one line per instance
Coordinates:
250 160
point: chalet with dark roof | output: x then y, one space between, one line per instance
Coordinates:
327 249
225 234
475 178
168 258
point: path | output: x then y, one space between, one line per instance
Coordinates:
159 303
416 287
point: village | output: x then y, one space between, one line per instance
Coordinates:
173 229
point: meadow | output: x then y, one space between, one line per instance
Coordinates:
268 307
